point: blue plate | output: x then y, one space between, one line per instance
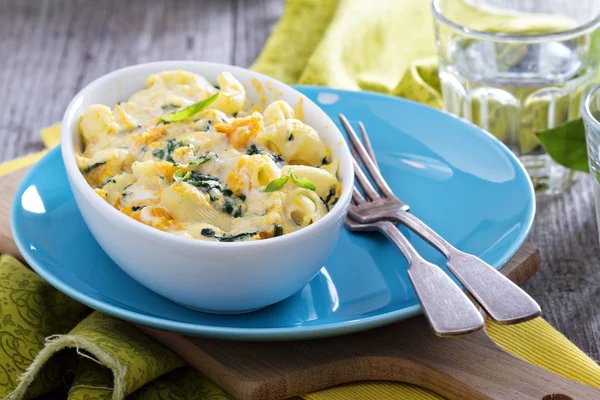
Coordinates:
457 178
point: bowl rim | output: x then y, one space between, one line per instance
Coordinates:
68 150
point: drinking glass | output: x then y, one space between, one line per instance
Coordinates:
590 109
517 74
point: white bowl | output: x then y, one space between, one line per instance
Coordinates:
209 276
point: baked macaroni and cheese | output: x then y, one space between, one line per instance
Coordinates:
200 161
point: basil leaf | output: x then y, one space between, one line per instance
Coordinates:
179 177
566 145
190 111
302 182
277 184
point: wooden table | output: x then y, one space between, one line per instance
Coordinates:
50 49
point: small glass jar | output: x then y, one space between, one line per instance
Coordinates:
518 70
590 110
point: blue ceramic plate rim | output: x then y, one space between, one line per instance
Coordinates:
289 333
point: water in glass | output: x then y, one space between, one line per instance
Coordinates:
516 85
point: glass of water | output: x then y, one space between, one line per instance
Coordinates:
517 67
590 109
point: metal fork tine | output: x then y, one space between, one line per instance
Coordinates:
357 196
364 182
353 151
367 142
364 157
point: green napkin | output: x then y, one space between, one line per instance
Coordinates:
49 342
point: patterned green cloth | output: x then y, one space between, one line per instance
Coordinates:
48 340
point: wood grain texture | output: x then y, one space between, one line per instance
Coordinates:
51 48
9 184
468 367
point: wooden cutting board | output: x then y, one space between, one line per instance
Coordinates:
468 367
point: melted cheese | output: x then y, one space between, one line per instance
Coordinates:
205 177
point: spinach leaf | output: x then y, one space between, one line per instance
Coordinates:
206 182
278 231
330 196
203 159
167 152
226 237
91 167
252 150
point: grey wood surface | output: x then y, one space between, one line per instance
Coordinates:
49 49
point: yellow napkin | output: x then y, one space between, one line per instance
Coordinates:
388 46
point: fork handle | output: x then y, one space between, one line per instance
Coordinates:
503 300
447 308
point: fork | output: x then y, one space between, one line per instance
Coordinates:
504 301
448 310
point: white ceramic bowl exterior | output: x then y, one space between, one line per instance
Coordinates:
208 276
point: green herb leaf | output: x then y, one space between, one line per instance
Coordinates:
203 159
106 182
330 197
167 152
159 153
277 184
277 231
252 150
226 237
566 145
179 177
190 111
91 167
291 137
302 182
232 207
